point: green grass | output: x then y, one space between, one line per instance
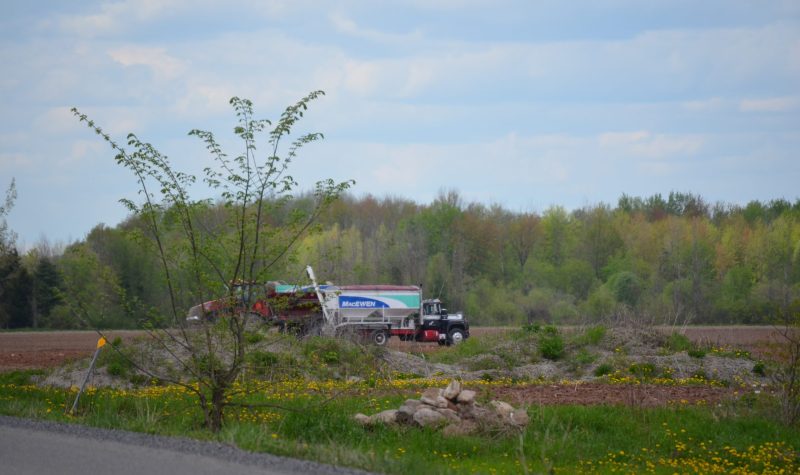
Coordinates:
467 349
318 427
590 336
677 342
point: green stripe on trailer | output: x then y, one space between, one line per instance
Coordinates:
410 301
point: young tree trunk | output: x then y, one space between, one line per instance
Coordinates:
215 410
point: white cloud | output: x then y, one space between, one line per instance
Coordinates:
705 105
494 114
622 139
345 25
82 151
163 66
645 144
118 16
57 120
11 162
204 98
772 104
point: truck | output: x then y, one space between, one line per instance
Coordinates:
379 312
373 313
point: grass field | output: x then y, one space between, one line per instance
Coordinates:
313 420
635 416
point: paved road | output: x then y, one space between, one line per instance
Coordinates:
29 447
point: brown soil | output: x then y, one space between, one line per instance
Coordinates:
600 393
22 350
27 350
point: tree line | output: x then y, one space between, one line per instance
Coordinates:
663 259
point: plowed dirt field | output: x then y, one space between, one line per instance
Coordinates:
20 350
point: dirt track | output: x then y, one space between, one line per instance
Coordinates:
20 350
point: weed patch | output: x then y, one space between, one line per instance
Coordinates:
313 420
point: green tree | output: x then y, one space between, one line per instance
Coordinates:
557 235
626 287
15 281
7 236
524 232
600 240
15 291
198 264
47 290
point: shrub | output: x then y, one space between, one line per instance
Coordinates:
601 303
116 368
533 328
584 357
626 286
603 370
253 337
700 374
468 348
551 345
696 353
677 342
486 362
591 336
263 359
760 368
643 370
139 379
207 363
564 311
116 364
330 357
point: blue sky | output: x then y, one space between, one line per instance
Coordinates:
522 103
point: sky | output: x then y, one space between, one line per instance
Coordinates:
525 104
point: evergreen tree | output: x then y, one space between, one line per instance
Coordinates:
15 292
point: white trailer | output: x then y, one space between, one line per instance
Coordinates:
378 312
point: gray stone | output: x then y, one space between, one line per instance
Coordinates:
431 397
503 408
452 390
519 418
426 417
405 415
509 415
466 397
363 419
474 411
449 414
460 429
386 417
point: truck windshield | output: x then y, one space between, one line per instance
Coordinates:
431 309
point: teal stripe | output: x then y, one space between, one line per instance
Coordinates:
410 301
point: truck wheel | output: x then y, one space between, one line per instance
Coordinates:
379 337
455 336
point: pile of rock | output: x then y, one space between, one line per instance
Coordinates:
454 409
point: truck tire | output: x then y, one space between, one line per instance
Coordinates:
455 336
379 337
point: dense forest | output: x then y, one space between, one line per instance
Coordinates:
673 259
